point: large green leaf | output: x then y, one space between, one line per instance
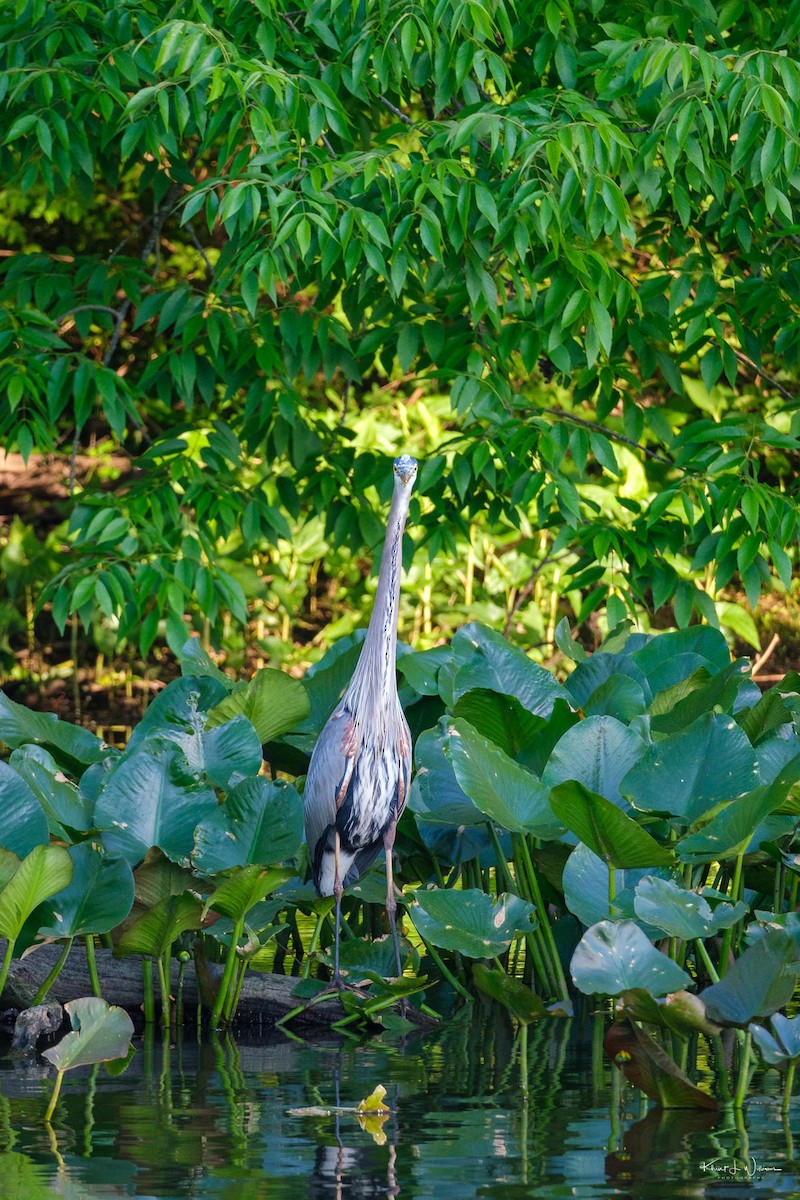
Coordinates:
224 754
783 1044
730 829
613 957
152 799
612 835
70 743
585 884
758 983
24 822
100 1033
597 752
195 663
181 708
65 807
236 894
154 931
272 701
687 774
501 719
598 670
677 912
498 786
260 822
512 993
98 897
670 657
484 659
435 794
470 921
42 873
685 702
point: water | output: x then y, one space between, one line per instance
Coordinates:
249 1119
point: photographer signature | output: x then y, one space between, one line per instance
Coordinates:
736 1168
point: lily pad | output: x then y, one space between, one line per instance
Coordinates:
498 786
613 957
470 921
783 1044
435 794
101 1033
153 932
598 753
678 912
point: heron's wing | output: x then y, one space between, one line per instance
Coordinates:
329 774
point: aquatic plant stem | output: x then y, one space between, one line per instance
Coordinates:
523 1059
54 973
788 1086
703 955
163 961
7 958
149 994
744 1071
91 965
544 919
446 972
733 895
227 977
51 1108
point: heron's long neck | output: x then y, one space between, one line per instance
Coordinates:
374 681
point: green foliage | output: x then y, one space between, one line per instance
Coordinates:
549 247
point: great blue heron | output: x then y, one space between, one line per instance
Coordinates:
359 772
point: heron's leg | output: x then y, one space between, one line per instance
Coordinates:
338 982
391 902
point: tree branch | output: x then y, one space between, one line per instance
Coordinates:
609 433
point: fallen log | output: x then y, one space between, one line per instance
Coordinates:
264 998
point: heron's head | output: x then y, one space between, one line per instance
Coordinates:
405 469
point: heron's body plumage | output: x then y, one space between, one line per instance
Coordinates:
360 769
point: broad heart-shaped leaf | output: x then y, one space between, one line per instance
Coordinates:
71 744
731 829
759 982
260 822
677 912
421 667
667 658
470 921
154 932
784 1042
687 774
24 822
182 707
272 701
598 669
512 993
597 752
703 693
98 897
42 873
151 799
648 1067
501 719
64 806
620 697
244 887
224 754
435 794
498 786
612 835
585 883
484 659
613 957
101 1033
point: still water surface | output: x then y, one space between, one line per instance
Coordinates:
249 1119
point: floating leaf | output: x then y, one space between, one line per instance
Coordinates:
615 957
585 884
101 1033
435 794
612 835
470 921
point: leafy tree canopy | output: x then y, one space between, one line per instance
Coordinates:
551 247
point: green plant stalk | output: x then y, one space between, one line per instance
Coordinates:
312 945
707 963
719 1054
612 887
149 994
544 923
227 977
236 991
7 959
54 973
788 1086
744 1071
163 961
523 1059
91 965
733 895
539 951
51 1108
502 866
446 972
